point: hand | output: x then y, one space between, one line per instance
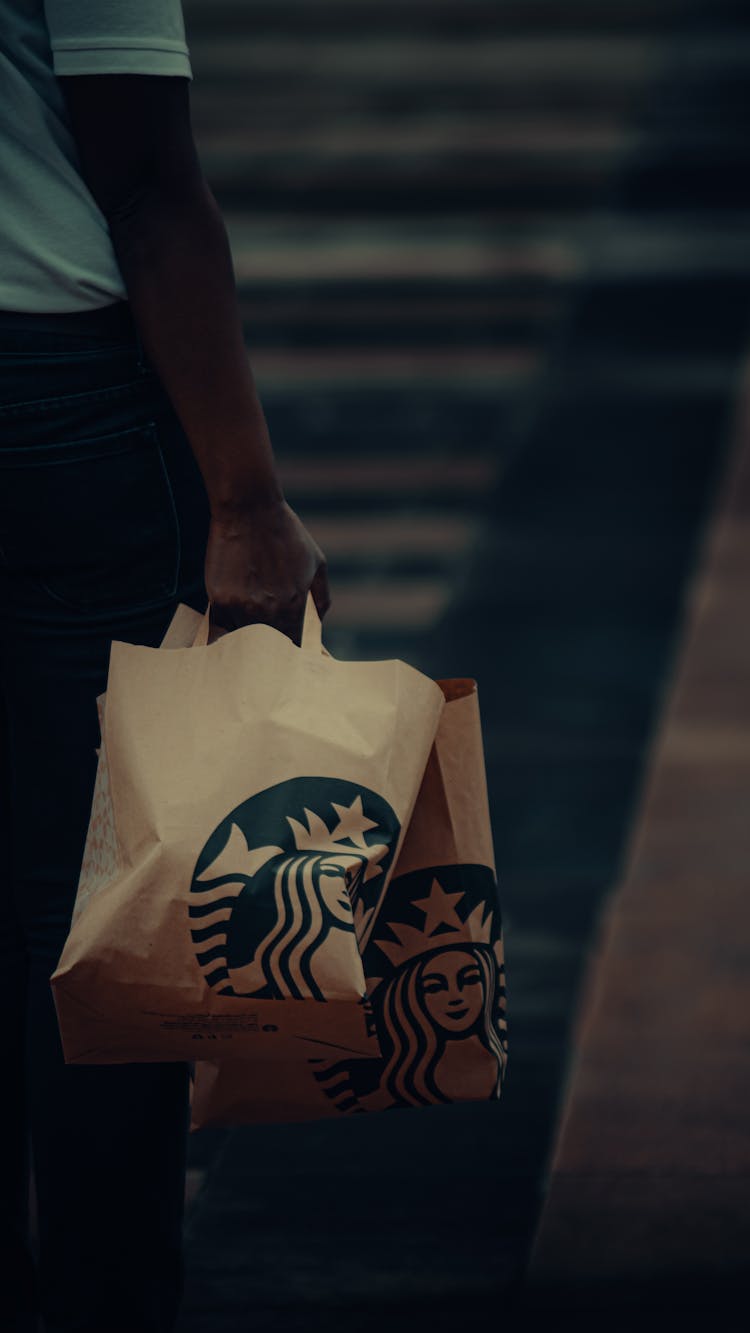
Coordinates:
259 568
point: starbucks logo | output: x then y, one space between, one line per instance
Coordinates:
436 979
283 884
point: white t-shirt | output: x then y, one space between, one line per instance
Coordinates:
56 253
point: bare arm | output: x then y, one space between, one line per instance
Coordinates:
139 160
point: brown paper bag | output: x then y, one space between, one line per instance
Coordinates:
250 800
433 962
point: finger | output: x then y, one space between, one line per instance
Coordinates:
290 620
236 615
320 590
292 628
222 617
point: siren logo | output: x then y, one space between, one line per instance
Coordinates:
436 979
282 885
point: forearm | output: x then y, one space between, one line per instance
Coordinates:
176 263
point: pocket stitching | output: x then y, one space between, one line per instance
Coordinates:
64 452
32 406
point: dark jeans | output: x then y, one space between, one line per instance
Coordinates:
103 523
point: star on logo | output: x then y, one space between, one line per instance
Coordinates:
439 909
353 822
347 835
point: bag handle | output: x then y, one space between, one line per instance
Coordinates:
312 630
200 639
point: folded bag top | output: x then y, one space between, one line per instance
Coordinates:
255 795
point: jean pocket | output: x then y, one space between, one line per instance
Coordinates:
93 521
38 393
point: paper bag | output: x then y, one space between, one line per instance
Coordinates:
250 799
433 962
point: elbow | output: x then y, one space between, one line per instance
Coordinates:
150 206
163 221
150 195
124 207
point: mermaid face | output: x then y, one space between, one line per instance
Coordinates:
336 875
452 991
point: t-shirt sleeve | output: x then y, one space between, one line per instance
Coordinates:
118 37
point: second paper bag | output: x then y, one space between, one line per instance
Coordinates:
433 961
251 801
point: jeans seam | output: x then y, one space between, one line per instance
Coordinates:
154 434
142 360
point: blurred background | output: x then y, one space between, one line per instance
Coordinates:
494 270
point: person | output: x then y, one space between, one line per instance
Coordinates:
137 472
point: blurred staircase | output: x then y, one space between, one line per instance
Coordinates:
411 190
495 277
